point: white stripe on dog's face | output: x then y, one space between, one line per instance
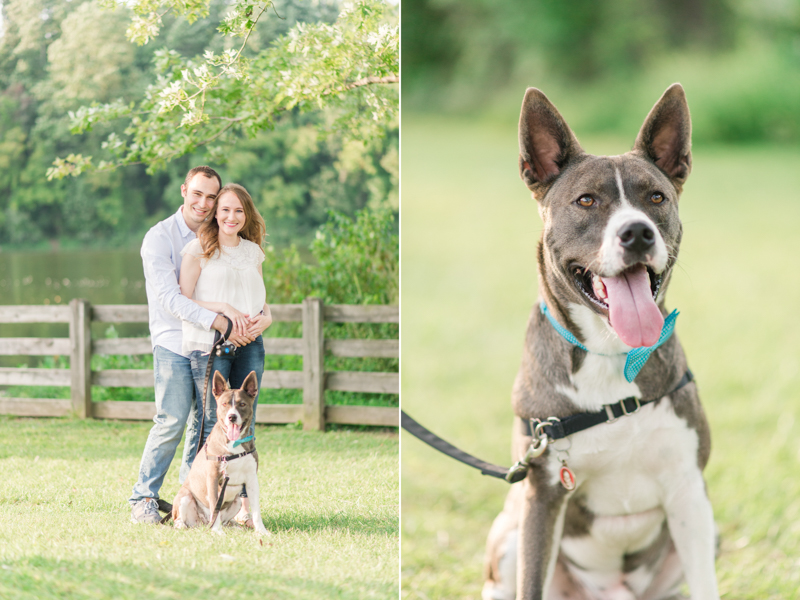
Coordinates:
612 254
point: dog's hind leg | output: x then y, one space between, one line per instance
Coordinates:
667 581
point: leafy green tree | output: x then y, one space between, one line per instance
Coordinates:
58 56
349 67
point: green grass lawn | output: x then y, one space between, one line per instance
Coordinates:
330 501
469 232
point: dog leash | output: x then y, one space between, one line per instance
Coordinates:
219 340
220 500
542 431
434 441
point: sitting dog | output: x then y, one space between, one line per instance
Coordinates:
614 439
229 452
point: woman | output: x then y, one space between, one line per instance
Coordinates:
221 271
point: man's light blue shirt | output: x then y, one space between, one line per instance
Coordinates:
161 258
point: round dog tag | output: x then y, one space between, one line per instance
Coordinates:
567 478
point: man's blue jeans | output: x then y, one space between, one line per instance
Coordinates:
175 392
234 368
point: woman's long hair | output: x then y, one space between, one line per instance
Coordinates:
253 230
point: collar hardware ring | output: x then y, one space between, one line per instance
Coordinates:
536 449
538 446
539 443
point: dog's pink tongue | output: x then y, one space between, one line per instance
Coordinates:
631 309
233 432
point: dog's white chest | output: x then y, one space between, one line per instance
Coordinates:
240 470
628 465
624 470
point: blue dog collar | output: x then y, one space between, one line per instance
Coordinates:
636 358
249 438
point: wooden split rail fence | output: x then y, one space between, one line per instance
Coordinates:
313 379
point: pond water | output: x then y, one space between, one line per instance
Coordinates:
55 278
100 276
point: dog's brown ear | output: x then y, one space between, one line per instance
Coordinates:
666 136
250 385
219 385
546 143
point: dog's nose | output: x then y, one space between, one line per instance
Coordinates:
232 418
637 236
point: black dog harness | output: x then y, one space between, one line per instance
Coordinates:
223 486
542 430
227 458
556 429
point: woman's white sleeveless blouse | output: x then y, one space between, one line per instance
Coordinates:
230 276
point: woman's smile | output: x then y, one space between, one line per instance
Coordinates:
230 216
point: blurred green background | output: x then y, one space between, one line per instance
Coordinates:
469 231
738 59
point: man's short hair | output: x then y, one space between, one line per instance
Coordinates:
207 171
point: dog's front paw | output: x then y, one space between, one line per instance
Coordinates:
179 524
261 530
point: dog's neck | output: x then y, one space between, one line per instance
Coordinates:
635 358
598 336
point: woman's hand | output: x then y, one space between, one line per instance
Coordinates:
241 321
259 323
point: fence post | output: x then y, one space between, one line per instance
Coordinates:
80 340
313 366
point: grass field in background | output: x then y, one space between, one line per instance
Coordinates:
330 501
468 238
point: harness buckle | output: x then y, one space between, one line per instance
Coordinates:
635 410
610 413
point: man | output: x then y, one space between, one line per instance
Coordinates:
175 389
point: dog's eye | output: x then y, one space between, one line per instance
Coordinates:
657 198
586 201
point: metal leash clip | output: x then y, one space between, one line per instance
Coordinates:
539 444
